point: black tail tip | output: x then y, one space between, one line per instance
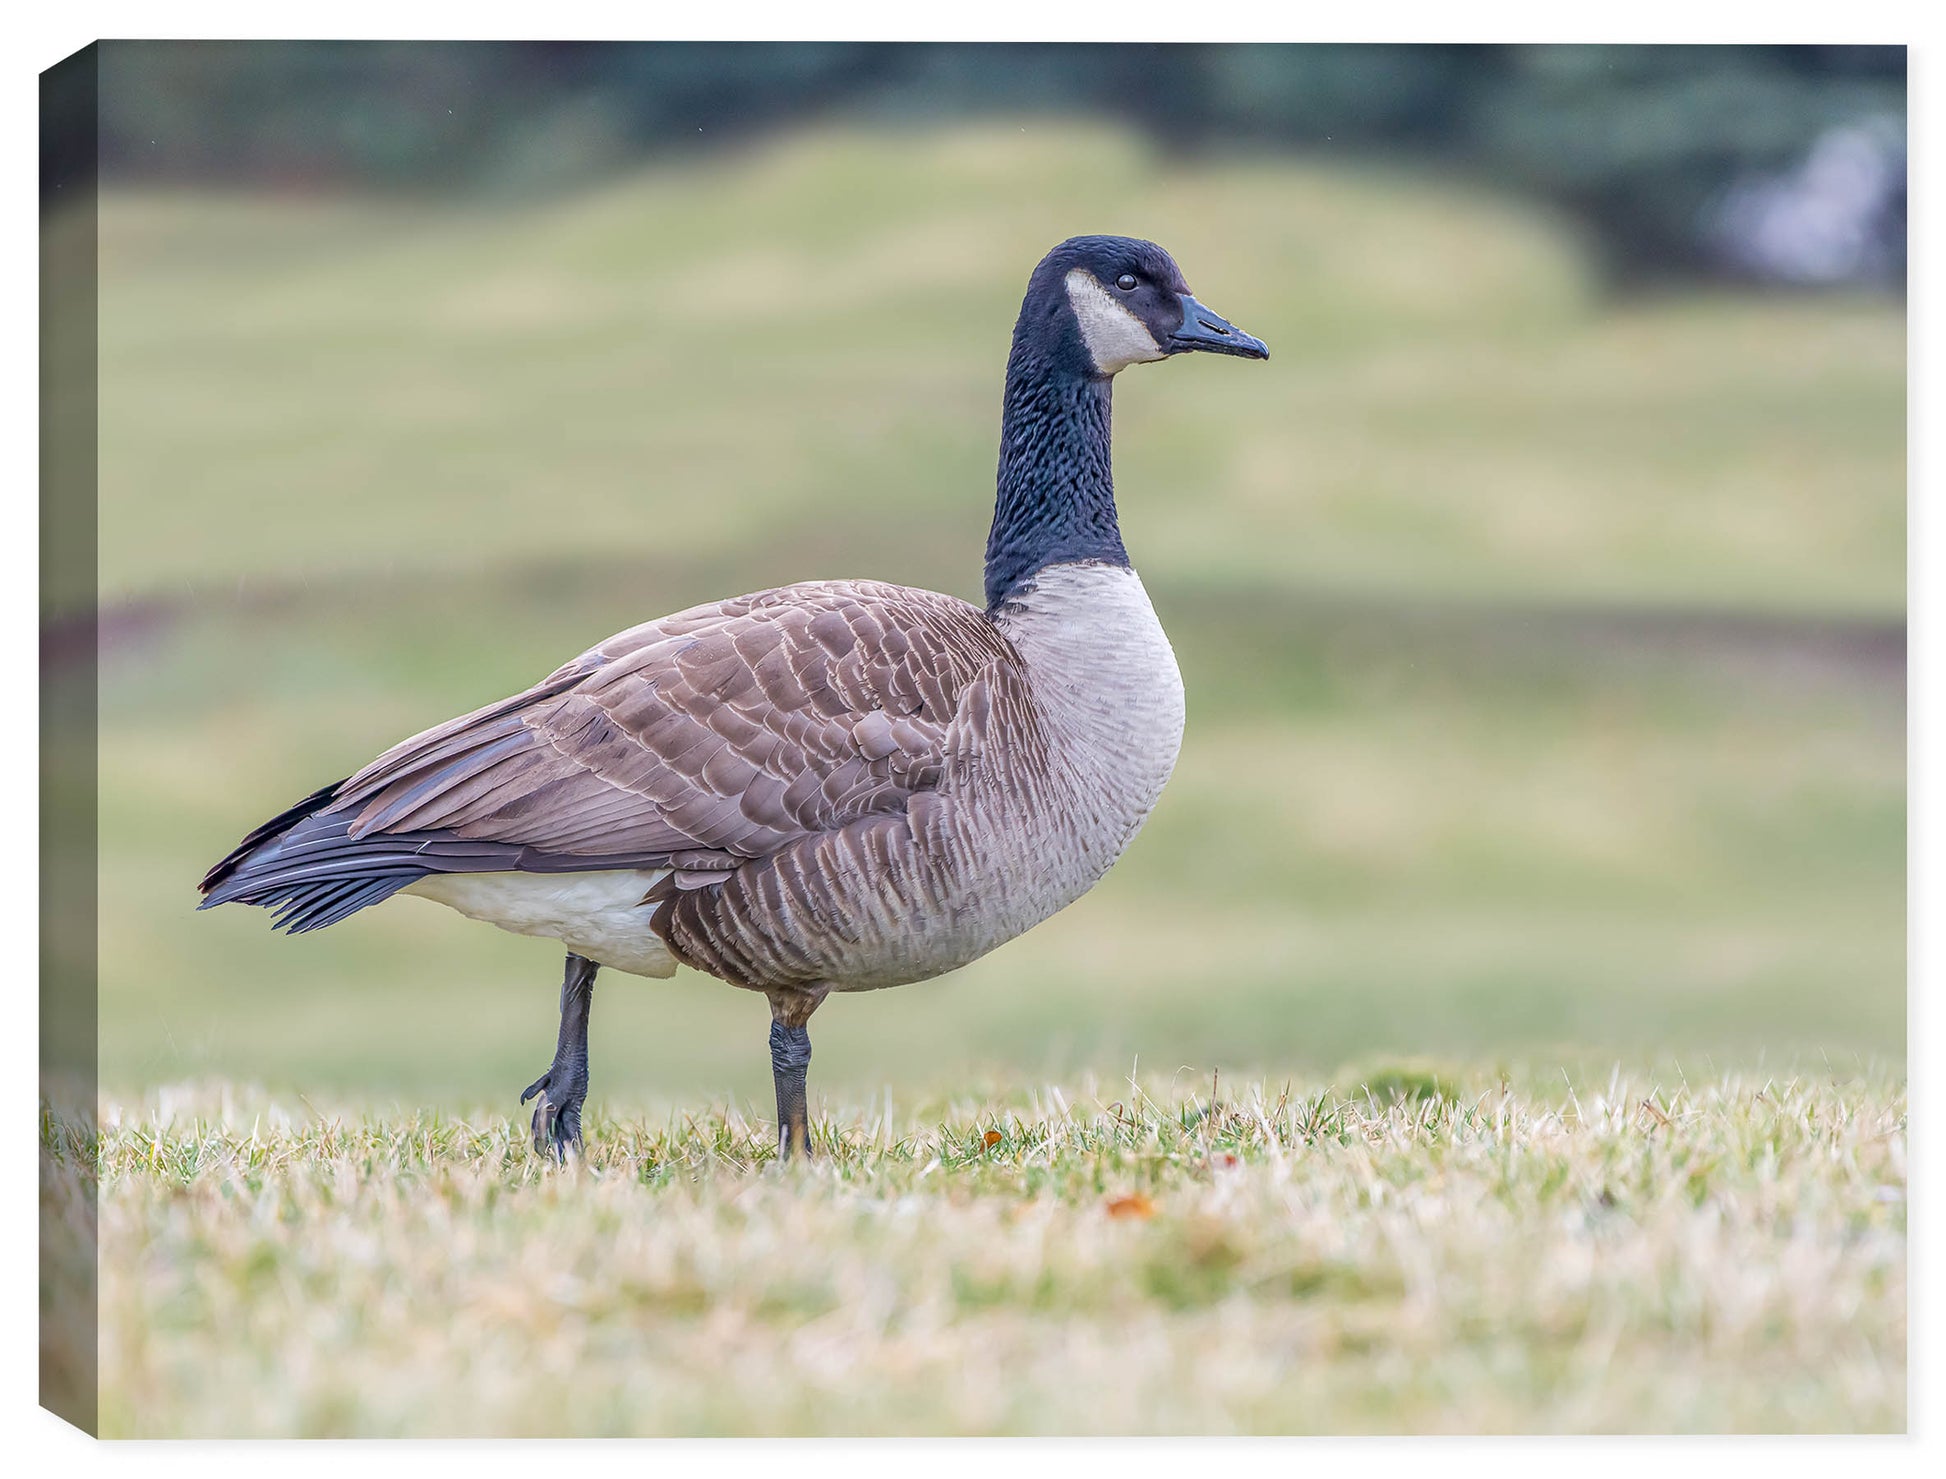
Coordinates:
268 832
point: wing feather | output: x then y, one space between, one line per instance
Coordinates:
717 735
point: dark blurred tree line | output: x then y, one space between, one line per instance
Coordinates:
1678 160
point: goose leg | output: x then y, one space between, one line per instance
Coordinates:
790 1061
557 1118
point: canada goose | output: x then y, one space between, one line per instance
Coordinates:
834 786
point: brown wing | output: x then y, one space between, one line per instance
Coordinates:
705 739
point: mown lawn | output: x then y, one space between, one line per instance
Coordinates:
807 339
1422 835
1543 653
1388 1253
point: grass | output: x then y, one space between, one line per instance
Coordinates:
1443 790
1398 835
1392 1252
812 334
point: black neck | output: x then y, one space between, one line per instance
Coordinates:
1057 492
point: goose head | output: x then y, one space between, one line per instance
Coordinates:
1095 305
1098 304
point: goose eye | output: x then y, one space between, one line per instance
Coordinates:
1126 282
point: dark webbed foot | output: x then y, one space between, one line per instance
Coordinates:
557 1118
564 1087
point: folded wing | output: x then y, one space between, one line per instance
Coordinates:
698 742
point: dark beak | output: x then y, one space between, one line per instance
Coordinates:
1202 329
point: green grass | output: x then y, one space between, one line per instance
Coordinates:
1380 1254
1442 791
1384 835
813 334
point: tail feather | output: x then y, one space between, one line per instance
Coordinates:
309 869
305 864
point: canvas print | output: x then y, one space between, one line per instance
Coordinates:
1291 656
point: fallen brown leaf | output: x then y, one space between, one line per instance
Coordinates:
1132 1205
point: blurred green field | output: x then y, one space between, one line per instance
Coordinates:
1544 654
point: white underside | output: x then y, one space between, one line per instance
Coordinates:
1105 676
599 915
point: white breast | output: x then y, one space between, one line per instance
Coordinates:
1104 674
599 915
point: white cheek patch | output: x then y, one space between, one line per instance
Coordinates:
1115 337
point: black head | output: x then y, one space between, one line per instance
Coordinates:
1098 304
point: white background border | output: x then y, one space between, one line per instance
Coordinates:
40 36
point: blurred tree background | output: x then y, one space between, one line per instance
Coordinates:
1776 162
